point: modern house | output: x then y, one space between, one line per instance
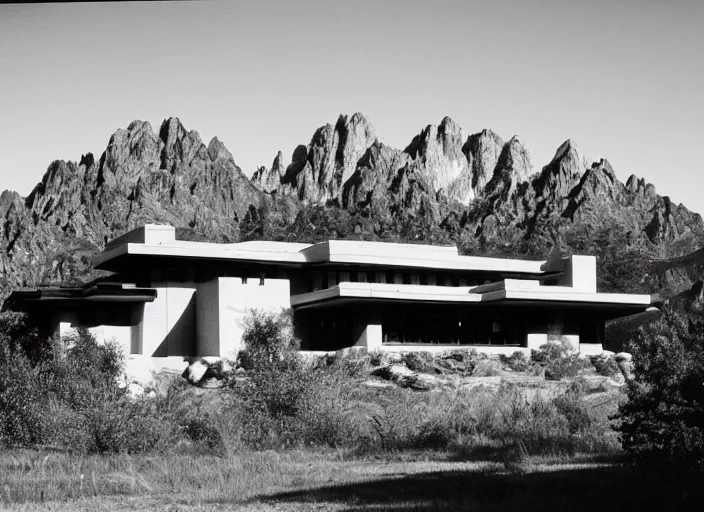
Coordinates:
175 298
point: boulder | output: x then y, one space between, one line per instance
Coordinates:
383 358
195 372
396 373
134 390
486 368
139 370
210 371
624 360
418 361
424 382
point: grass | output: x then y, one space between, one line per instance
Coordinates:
323 480
475 432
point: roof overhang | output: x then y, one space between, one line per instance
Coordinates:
154 241
107 293
505 292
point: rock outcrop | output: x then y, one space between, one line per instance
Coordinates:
442 188
318 171
142 176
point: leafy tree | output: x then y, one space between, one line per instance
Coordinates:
623 263
664 416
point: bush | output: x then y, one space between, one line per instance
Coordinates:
516 361
558 362
23 400
605 366
68 395
278 377
571 406
418 361
664 416
268 341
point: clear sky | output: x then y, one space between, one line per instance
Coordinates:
625 79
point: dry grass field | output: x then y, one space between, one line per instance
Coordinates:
305 480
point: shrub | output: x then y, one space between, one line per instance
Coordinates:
23 400
664 416
203 431
571 406
516 361
605 366
278 376
18 334
418 361
558 362
268 341
68 395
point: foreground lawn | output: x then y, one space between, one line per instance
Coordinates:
307 480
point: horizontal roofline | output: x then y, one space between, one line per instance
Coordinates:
500 291
142 242
101 292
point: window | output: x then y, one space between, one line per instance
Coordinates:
317 280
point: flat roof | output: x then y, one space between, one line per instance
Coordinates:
507 290
159 241
100 292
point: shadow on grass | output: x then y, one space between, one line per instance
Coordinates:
579 489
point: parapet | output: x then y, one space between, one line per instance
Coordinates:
150 234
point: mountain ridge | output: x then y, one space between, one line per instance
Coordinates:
475 190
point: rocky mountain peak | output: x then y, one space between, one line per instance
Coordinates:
569 156
270 180
8 198
516 158
438 149
482 151
512 168
171 130
561 175
479 191
355 135
217 150
318 171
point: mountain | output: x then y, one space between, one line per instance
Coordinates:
142 176
478 191
480 184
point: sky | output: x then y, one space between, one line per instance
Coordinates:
624 79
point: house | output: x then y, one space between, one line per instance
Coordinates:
172 298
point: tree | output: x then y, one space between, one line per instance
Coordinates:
664 416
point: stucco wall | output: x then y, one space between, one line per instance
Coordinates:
168 327
223 304
208 318
121 335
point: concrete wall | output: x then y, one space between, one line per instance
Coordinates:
482 349
168 326
222 305
208 318
121 335
583 273
536 339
